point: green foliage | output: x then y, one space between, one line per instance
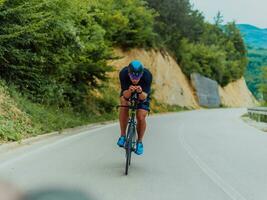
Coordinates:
218 19
215 51
158 107
46 118
14 124
233 34
177 20
229 42
55 53
263 85
58 55
128 23
257 59
203 59
53 50
214 61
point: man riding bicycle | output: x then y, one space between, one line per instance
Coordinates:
134 78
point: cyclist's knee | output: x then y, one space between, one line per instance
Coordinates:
123 101
141 115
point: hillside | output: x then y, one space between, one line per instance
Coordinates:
253 36
55 54
14 123
256 41
257 60
21 118
171 86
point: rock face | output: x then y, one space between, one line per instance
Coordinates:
207 91
172 87
237 94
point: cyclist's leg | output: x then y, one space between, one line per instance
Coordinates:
123 116
141 123
142 111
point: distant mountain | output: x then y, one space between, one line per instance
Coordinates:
256 39
254 36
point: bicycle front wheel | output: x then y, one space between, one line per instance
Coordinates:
129 146
128 156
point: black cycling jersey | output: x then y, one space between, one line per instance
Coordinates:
145 81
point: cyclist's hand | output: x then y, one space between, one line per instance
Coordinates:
138 89
132 88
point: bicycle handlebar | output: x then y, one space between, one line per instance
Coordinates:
133 100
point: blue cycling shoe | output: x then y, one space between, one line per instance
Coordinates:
139 148
121 141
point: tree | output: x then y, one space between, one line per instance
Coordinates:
218 19
234 35
263 85
52 49
185 33
177 20
128 23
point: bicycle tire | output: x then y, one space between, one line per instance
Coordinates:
133 138
129 147
131 132
128 158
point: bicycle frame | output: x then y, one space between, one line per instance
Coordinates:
131 130
132 123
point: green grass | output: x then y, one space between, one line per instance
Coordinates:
14 124
34 119
257 117
158 107
245 115
31 119
48 118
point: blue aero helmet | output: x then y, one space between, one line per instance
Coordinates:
136 70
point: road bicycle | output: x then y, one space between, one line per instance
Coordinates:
131 131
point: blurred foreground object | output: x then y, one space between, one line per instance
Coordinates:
56 194
9 192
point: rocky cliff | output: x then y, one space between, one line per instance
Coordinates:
172 87
237 94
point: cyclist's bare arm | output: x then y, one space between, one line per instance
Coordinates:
127 93
142 96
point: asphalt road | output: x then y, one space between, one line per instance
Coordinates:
194 155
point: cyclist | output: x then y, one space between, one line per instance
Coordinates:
134 78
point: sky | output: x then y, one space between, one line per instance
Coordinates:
252 12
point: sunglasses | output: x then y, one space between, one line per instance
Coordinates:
135 77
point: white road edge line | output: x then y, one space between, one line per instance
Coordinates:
228 189
38 150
